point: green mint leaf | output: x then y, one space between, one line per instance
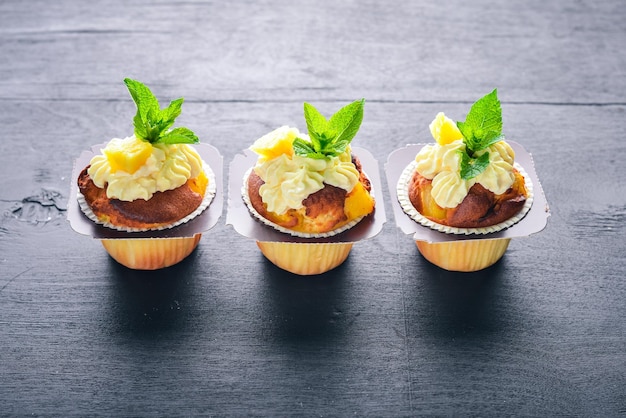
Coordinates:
471 167
330 138
147 104
340 147
483 123
153 124
170 113
317 141
326 142
305 149
347 121
315 121
178 136
140 128
491 138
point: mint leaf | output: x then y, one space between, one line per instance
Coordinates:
146 103
347 120
483 123
178 136
151 123
329 138
170 113
142 96
315 121
305 149
471 167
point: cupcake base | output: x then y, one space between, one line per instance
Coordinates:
150 253
303 258
464 256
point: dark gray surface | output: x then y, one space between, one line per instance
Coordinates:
386 334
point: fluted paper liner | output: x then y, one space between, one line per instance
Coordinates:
150 253
303 258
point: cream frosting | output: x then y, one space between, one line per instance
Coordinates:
441 163
168 167
290 178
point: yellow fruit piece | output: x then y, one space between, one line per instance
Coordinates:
275 143
199 184
444 130
128 156
358 202
430 207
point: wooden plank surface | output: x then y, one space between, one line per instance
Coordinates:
226 333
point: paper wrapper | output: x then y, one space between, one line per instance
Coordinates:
466 249
152 249
312 255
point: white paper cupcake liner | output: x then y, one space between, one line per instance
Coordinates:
409 209
259 217
206 201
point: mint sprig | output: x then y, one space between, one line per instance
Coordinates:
481 129
471 167
329 138
152 123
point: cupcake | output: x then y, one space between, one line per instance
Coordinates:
467 183
152 180
309 186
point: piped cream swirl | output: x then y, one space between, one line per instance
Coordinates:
441 163
167 167
290 178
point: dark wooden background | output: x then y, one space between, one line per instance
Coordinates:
225 333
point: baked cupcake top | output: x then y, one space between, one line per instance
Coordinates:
310 183
132 169
290 178
467 182
467 153
154 179
155 159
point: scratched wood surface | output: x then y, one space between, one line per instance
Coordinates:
225 333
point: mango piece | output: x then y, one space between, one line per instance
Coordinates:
358 202
199 184
128 156
430 207
444 130
275 143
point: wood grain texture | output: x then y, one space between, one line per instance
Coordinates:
225 333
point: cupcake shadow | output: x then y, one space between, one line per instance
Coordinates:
145 304
453 303
305 310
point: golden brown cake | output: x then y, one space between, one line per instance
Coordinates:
323 211
162 209
480 208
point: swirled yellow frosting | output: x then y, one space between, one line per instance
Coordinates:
132 169
441 163
290 178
